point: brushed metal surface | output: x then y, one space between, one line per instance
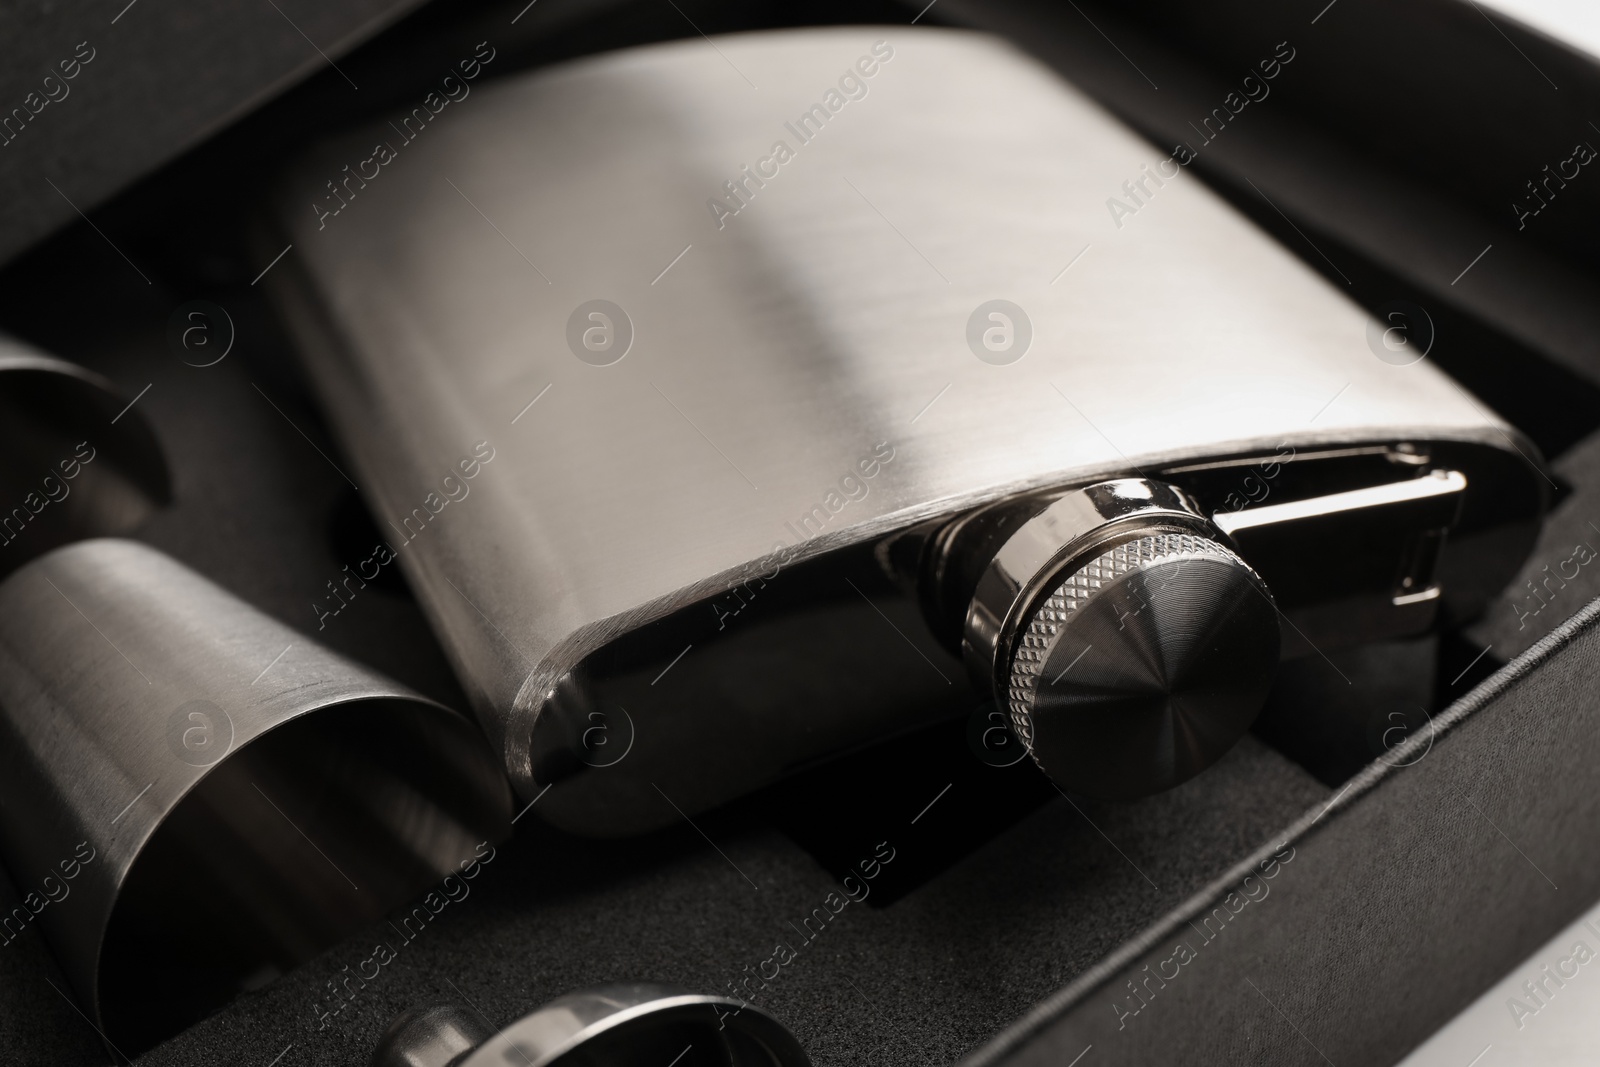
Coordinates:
228 796
1144 666
77 458
771 353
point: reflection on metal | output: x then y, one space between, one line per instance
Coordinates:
77 458
1366 559
624 1025
724 533
1130 647
184 823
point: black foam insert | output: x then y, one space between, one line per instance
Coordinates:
924 979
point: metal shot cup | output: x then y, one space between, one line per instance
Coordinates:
623 1024
195 797
77 459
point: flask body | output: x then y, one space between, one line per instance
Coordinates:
692 411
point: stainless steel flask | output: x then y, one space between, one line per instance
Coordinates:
731 405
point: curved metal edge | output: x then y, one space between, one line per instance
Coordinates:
670 1000
356 684
400 694
17 356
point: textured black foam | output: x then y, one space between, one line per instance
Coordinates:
920 981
